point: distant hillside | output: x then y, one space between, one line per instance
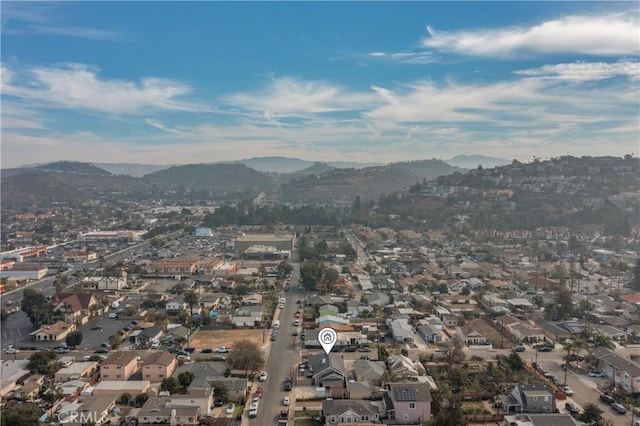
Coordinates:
343 185
315 169
132 169
73 167
34 188
291 165
473 161
577 193
217 178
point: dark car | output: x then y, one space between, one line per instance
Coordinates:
190 350
102 351
287 386
545 349
295 333
607 399
619 408
351 349
571 408
519 348
365 349
207 351
97 327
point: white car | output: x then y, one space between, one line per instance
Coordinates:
230 408
254 405
286 401
263 376
222 350
12 351
113 315
253 412
595 374
567 390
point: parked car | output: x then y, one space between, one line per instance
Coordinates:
571 408
351 349
102 351
207 351
595 374
230 408
619 408
607 399
365 349
545 349
567 390
113 315
97 327
11 351
222 350
519 348
286 401
263 376
253 413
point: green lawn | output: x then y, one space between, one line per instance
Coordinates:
306 422
306 413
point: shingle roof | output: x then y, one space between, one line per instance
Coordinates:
410 391
162 358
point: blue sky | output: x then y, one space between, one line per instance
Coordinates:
180 82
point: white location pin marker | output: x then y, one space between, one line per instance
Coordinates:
327 338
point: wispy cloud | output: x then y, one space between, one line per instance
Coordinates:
611 34
294 97
423 57
158 125
79 87
585 71
39 18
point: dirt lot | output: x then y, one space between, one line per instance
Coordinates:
492 334
216 338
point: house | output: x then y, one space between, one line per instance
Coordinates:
451 321
328 371
31 387
144 338
247 316
78 256
74 308
551 419
158 366
119 366
369 371
402 366
77 370
94 410
173 267
552 331
53 332
612 333
252 299
176 306
158 410
118 387
624 373
402 331
429 333
350 411
472 337
529 399
12 372
329 310
410 403
236 387
195 397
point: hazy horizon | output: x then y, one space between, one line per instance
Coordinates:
200 82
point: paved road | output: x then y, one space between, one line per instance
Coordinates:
281 359
583 386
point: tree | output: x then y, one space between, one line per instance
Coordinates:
141 399
74 339
451 416
35 305
284 269
42 362
23 415
454 350
592 414
635 282
125 398
185 378
192 299
169 384
245 355
220 391
515 362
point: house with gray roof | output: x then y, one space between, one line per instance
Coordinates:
550 419
529 399
352 411
624 373
369 371
328 371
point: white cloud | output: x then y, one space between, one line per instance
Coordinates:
158 125
293 97
78 87
613 34
44 18
424 57
585 71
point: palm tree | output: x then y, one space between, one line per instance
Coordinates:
191 298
